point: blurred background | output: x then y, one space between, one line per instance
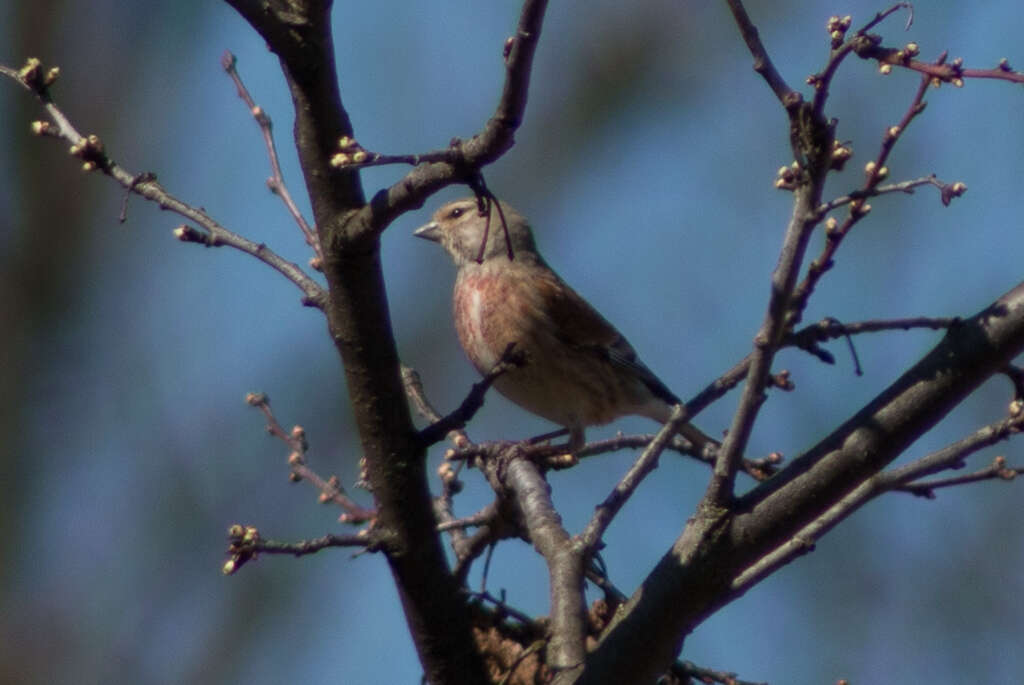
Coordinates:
646 163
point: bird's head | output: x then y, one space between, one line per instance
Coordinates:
460 228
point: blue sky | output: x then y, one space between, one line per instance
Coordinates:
646 164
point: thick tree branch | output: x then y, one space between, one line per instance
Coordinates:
700 573
299 32
900 479
564 560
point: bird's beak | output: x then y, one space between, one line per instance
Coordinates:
429 231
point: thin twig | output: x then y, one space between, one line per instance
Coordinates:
510 359
276 181
766 344
952 456
811 138
906 187
94 157
330 489
875 172
482 517
504 609
245 544
997 470
934 72
810 337
841 48
647 461
465 158
758 469
499 528
414 390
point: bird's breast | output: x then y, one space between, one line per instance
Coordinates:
483 307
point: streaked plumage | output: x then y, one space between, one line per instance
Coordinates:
579 371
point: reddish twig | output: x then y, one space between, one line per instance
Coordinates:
837 28
330 489
869 47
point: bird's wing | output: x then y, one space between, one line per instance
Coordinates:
578 324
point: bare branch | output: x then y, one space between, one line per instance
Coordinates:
997 470
952 456
95 158
758 469
722 553
898 479
812 140
245 544
330 489
810 337
841 48
624 489
947 191
455 421
466 157
870 48
762 62
875 172
565 564
276 181
766 342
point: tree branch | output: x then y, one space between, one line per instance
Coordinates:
94 157
245 544
456 420
647 461
466 157
276 181
706 566
762 62
299 32
565 563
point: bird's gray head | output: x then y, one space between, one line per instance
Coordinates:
459 227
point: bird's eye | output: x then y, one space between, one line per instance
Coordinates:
456 213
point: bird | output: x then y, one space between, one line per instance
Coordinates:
577 369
